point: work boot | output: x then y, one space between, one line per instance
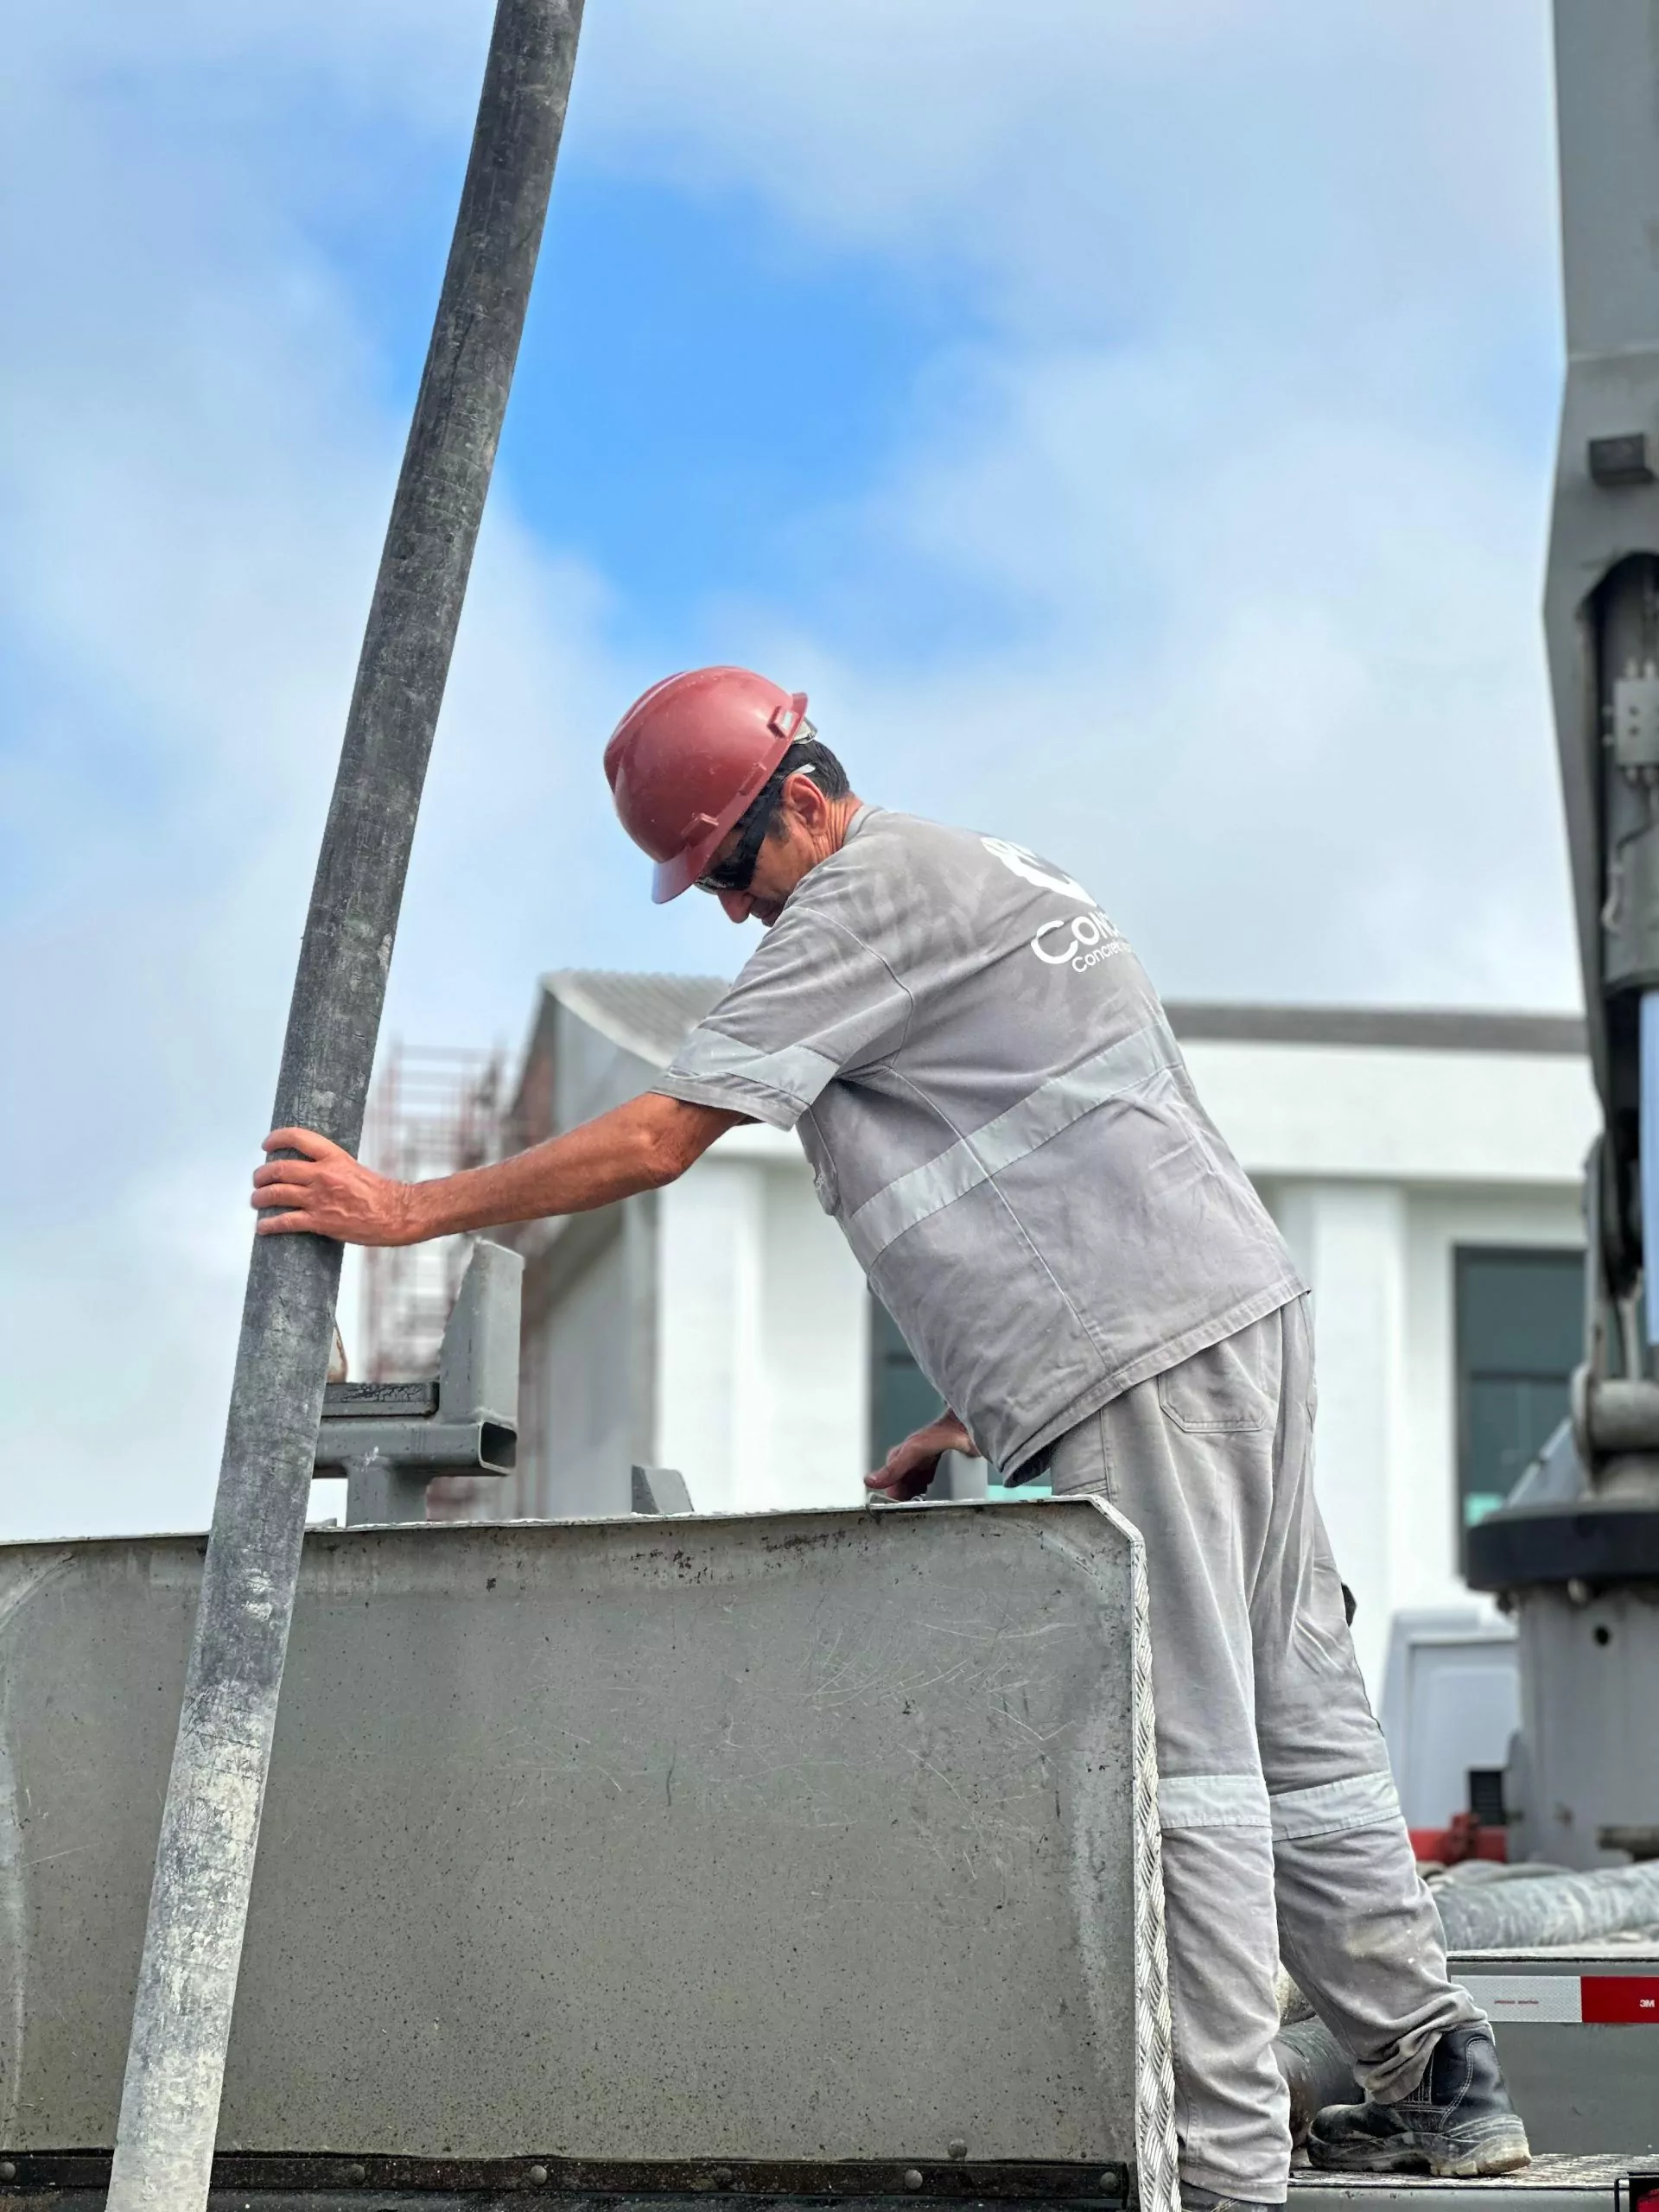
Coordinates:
1457 2122
1194 2199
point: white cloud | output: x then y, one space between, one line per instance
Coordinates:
1250 459
1244 446
1217 159
1275 683
196 466
1288 688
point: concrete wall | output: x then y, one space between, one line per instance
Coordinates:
587 1404
583 1383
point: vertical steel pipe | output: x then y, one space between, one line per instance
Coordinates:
210 1825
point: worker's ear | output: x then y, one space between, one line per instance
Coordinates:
805 801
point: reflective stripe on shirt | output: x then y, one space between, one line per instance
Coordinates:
1021 1129
795 1071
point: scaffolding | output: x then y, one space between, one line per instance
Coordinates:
434 1110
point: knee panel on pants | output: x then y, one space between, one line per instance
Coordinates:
1213 1801
1357 1800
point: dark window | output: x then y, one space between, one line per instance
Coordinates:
901 1397
1486 1796
1520 1325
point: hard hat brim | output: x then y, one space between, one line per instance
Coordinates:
670 878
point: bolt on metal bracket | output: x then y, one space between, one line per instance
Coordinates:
1636 719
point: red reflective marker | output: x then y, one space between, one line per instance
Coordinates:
1620 2000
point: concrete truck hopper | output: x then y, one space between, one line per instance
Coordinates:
815 1851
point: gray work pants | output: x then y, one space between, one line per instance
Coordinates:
1282 1834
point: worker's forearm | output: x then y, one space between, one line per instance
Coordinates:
592 1165
310 1185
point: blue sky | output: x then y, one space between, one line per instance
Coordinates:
1132 425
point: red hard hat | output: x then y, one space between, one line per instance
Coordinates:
686 759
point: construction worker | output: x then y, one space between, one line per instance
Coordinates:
997 1114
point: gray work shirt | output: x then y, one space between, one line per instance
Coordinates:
998 1115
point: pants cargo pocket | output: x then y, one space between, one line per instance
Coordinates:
1227 1390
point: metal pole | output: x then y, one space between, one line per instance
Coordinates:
210 1825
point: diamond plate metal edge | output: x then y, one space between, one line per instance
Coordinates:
1156 2151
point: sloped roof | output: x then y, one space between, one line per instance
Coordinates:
651 1015
648 1015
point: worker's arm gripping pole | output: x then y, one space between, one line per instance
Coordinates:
204 1864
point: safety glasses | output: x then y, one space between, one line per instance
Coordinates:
736 871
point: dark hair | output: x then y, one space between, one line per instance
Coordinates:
804 757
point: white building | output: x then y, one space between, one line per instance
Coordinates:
1424 1167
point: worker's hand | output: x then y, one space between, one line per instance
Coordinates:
910 1467
327 1193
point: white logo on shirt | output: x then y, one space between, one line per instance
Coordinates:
1077 941
1030 869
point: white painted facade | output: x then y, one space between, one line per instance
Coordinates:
720 1327
763 1334
749 1321
1378 1163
